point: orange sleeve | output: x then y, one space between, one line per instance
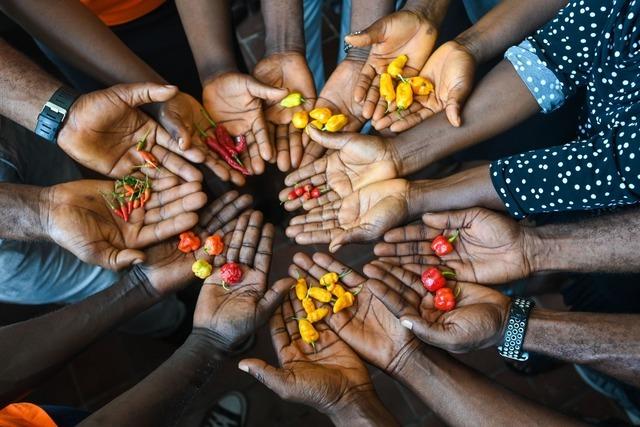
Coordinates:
116 12
24 415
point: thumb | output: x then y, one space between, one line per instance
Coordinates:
428 333
444 220
330 140
372 35
126 257
263 91
136 94
457 96
355 234
273 378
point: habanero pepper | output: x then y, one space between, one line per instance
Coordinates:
319 294
202 269
189 242
442 246
213 245
318 314
294 99
336 123
420 86
321 114
307 332
434 279
231 273
396 67
345 301
300 119
444 299
337 290
308 305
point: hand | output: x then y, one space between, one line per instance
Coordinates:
368 327
328 378
77 218
235 100
104 127
234 313
358 160
401 33
451 69
288 70
363 216
169 269
478 320
337 96
491 248
182 116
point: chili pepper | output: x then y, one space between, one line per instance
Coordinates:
294 99
301 288
145 196
123 209
434 279
404 95
308 305
315 193
224 138
307 332
306 196
115 210
213 245
420 86
128 189
142 144
387 91
308 187
444 299
299 191
202 269
292 195
300 119
442 246
328 279
129 207
396 66
216 147
319 294
136 204
318 314
149 158
241 143
189 242
345 301
336 123
337 290
231 273
316 124
322 114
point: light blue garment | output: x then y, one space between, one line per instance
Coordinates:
41 272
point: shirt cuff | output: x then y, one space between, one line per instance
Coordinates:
540 80
497 171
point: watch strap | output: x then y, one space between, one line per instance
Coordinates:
54 112
513 339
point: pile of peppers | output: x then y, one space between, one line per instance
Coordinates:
129 193
321 118
329 291
403 93
231 273
306 192
435 280
224 145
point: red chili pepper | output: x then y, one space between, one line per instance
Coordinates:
434 279
216 147
442 246
231 273
145 196
241 143
136 203
189 242
129 207
118 212
299 191
306 196
123 209
293 194
315 193
308 187
444 299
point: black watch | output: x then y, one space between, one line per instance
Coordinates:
54 112
513 339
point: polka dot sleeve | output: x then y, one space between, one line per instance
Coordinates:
589 174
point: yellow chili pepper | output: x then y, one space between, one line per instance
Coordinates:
201 268
320 294
336 123
301 288
329 279
321 114
337 290
307 331
420 86
387 90
294 99
343 302
318 314
308 305
396 66
404 96
300 119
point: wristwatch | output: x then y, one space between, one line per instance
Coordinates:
54 112
513 339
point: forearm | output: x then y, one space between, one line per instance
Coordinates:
466 189
500 101
24 86
507 24
34 349
283 21
77 35
607 342
23 212
364 410
463 397
208 27
162 397
433 10
363 14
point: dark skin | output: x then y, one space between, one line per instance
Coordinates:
330 377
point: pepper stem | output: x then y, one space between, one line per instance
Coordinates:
344 273
454 236
449 274
457 291
208 117
358 290
202 133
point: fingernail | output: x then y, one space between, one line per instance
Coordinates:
407 324
170 86
137 261
243 368
181 143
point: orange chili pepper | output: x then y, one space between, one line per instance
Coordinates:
189 242
213 245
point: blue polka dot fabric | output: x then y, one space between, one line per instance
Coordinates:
592 44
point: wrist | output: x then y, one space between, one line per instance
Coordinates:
432 11
416 197
543 251
469 42
362 407
279 42
203 342
214 71
357 54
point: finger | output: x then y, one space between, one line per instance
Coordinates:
371 101
254 162
279 334
273 378
406 277
373 271
136 94
421 260
403 249
363 84
380 111
430 333
410 233
305 263
295 145
351 235
316 215
236 238
391 299
155 233
411 120
119 259
456 98
312 152
164 183
331 264
263 91
261 132
289 318
331 140
447 220
324 200
251 238
177 138
189 203
176 164
224 210
298 176
262 259
372 35
272 140
164 197
273 298
282 148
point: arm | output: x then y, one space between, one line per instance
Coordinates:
284 26
463 397
21 212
